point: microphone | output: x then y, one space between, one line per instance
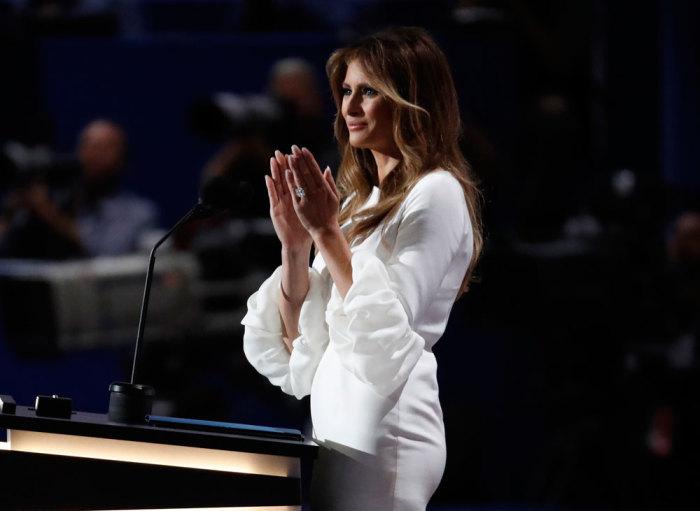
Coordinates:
130 402
222 193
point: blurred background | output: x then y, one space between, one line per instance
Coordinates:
568 373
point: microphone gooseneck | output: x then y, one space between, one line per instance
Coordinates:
131 402
147 288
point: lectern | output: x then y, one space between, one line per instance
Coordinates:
87 462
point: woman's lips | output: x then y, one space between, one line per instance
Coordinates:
355 126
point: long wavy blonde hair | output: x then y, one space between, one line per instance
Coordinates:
408 68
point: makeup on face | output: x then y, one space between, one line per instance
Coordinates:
366 111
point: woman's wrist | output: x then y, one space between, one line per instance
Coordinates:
336 252
296 252
295 274
327 234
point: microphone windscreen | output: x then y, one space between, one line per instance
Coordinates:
218 193
222 193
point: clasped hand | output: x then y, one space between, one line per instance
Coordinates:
299 218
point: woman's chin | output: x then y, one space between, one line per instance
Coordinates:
358 142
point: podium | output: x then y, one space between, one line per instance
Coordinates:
87 462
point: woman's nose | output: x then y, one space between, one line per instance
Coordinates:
353 105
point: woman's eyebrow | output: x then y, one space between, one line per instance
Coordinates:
357 85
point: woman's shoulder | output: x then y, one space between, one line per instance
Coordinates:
438 204
437 187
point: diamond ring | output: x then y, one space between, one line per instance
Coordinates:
300 192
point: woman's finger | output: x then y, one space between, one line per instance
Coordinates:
303 169
312 168
282 166
291 185
271 191
328 177
275 174
278 166
308 168
299 180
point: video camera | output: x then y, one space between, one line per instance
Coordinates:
225 115
20 165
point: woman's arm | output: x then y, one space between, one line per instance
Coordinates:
292 371
375 327
397 307
337 255
293 289
318 210
290 306
296 246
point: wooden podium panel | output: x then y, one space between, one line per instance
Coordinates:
87 462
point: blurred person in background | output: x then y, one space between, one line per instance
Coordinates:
92 217
291 110
292 88
356 331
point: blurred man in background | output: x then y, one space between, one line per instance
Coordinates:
93 216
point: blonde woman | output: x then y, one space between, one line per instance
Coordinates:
356 329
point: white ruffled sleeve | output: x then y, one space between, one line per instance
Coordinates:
262 339
370 328
374 327
435 231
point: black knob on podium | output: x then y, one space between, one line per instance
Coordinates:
130 402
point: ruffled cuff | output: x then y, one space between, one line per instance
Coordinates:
263 309
313 338
370 328
262 340
312 325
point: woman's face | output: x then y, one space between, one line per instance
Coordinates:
367 113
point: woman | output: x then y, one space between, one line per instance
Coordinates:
356 330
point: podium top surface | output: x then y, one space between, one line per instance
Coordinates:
98 426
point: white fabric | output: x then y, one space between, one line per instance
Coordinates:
367 360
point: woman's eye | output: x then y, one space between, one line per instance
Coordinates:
366 91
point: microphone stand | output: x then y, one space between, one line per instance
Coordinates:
131 402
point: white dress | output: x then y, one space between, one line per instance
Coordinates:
367 360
